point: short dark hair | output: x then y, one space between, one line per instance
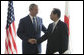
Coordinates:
57 11
31 6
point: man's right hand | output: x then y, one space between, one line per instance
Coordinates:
32 41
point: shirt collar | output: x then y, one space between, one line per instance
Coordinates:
56 21
32 17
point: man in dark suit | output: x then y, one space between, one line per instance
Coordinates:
30 28
57 34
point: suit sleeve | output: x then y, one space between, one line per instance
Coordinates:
43 27
20 31
44 37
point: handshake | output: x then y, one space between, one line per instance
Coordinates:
32 41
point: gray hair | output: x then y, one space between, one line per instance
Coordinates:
31 6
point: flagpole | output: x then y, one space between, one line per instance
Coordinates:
67 21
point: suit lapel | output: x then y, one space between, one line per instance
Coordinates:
38 25
30 22
51 28
56 28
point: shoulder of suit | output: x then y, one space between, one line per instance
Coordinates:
50 24
39 18
63 24
24 18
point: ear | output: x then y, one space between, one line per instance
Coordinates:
29 10
56 15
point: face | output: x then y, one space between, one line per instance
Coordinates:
53 16
34 11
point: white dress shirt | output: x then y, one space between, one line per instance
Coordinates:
32 18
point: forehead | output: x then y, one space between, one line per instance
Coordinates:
35 7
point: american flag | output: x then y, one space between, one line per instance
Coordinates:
10 44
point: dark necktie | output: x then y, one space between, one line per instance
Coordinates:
53 27
34 23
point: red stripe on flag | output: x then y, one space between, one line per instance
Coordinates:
13 24
14 44
14 27
6 45
6 41
66 20
9 43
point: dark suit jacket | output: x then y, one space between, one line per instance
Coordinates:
26 31
57 40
